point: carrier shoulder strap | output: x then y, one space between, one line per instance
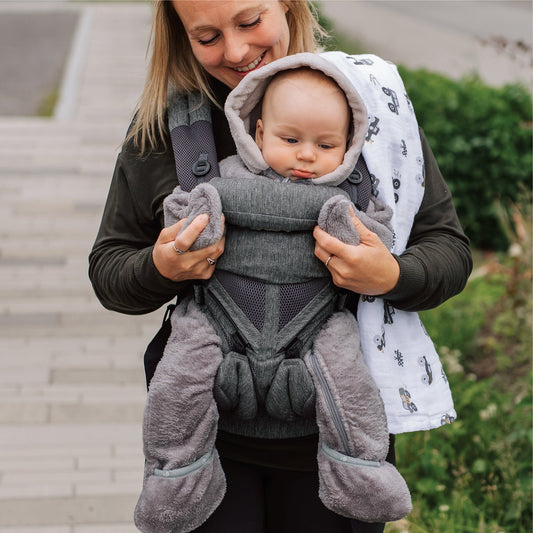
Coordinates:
193 143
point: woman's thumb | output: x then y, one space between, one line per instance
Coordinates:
364 233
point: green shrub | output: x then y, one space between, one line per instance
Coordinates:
481 138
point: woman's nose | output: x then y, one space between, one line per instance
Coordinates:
235 48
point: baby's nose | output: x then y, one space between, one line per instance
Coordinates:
307 153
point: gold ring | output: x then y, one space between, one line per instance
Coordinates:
328 260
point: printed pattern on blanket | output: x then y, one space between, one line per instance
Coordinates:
398 352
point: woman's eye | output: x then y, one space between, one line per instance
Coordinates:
208 41
256 22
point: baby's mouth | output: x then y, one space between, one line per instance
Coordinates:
299 173
252 65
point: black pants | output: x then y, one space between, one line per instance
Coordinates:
269 500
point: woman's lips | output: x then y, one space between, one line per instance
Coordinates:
242 71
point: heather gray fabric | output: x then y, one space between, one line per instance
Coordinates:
355 479
183 478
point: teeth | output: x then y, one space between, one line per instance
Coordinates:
251 66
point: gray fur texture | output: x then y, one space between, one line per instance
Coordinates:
204 198
180 427
335 219
368 493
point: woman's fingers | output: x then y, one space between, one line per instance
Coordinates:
186 238
174 260
368 268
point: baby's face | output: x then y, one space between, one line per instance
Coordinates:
304 129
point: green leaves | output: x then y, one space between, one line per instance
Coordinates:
481 138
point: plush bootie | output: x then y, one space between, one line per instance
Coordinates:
355 479
183 478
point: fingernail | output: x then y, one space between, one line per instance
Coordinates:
203 217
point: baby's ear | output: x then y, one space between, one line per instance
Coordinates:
259 133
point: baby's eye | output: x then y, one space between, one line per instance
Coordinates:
291 140
325 146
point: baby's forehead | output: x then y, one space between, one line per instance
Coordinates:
302 77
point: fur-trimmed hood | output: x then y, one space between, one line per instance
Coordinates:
243 109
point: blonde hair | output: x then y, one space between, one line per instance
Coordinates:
172 61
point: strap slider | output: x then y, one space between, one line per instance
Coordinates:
355 177
202 166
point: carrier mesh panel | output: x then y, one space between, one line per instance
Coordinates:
247 293
183 138
295 296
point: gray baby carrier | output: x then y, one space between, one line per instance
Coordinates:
265 304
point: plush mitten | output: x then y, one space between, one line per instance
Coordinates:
183 478
334 218
204 198
355 479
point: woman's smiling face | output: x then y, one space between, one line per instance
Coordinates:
230 38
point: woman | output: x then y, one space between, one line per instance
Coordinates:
209 46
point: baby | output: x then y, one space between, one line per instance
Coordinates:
295 364
304 127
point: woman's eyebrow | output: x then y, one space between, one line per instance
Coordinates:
241 14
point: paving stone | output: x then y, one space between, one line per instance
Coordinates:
98 413
52 435
96 375
35 450
106 509
32 463
28 489
106 528
53 529
98 489
119 462
23 413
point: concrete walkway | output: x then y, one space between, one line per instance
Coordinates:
456 38
71 378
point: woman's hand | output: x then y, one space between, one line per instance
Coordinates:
368 268
198 264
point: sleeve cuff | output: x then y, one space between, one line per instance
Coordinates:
151 279
412 280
